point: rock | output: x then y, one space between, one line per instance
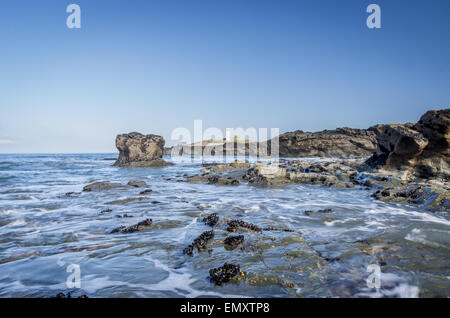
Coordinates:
223 180
125 201
428 196
71 194
339 143
420 150
138 150
233 225
312 178
211 219
137 184
342 185
99 186
200 243
146 191
224 273
143 225
435 159
266 174
397 145
232 242
309 212
435 126
240 165
217 168
62 295
225 168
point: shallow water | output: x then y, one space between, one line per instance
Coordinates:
42 232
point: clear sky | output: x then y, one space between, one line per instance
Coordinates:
152 66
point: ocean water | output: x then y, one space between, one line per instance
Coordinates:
44 234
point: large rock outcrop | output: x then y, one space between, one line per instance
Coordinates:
339 143
140 150
418 150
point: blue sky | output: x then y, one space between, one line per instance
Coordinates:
152 66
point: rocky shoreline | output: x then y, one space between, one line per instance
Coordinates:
409 163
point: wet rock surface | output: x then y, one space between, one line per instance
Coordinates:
100 186
69 295
211 219
224 274
234 225
143 225
309 212
233 241
200 243
137 184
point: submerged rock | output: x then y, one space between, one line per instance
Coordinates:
211 219
99 186
309 212
233 225
224 273
200 243
222 180
146 191
62 295
125 201
233 241
428 196
138 150
137 184
143 225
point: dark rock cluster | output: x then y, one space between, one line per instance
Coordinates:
224 273
233 241
234 225
143 225
200 243
211 219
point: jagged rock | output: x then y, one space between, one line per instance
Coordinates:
200 243
99 186
339 143
420 150
435 159
398 145
224 273
211 219
232 242
138 150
